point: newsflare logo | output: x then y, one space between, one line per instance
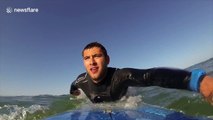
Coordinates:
9 10
21 10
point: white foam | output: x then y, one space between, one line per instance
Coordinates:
15 112
82 95
131 101
127 102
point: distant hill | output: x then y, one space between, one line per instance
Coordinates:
206 65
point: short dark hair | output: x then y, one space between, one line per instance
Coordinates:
95 44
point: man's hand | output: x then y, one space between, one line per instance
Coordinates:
206 88
76 92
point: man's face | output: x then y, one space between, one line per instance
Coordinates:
95 63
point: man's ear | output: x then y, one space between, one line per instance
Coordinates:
107 59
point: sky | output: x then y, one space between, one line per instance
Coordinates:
40 52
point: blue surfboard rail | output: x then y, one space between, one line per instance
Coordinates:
141 113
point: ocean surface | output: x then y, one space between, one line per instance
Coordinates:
43 106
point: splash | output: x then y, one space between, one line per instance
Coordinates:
82 95
131 101
15 112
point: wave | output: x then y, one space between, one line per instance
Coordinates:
39 107
15 112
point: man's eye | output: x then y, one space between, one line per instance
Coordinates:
86 58
98 55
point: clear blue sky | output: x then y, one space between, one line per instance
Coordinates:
40 53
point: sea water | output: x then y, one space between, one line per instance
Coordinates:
39 107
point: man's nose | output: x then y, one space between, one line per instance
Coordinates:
92 61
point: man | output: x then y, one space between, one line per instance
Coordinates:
101 83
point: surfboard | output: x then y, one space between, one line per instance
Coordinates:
145 112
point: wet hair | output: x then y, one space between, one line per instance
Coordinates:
95 44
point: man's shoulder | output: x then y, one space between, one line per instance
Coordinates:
113 68
81 78
125 71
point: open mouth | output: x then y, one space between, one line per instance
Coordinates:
94 70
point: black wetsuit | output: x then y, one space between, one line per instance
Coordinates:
117 81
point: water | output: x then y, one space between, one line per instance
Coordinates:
39 107
34 107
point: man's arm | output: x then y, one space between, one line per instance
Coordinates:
196 80
164 77
74 89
